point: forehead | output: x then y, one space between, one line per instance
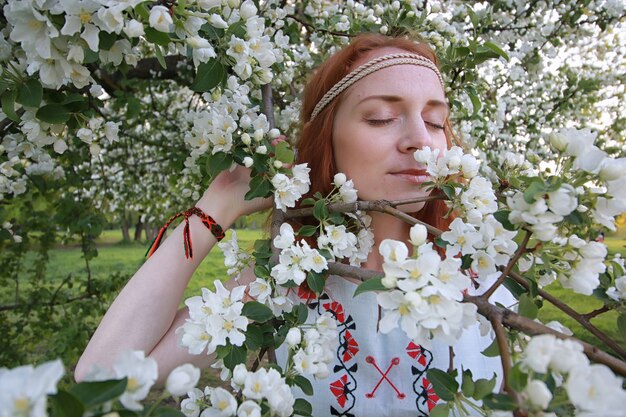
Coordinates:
405 81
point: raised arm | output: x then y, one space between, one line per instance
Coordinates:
145 314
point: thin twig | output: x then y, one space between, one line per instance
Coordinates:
505 355
505 273
268 105
595 313
382 206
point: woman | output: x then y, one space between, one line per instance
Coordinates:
370 132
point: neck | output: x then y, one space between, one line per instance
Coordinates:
384 226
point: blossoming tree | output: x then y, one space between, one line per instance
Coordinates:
106 102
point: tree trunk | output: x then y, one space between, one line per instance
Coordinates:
125 228
139 226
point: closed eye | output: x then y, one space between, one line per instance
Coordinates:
434 125
379 122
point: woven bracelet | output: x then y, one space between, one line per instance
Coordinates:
207 220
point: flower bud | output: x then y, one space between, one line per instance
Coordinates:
239 374
278 164
246 139
418 234
247 162
558 141
538 393
261 150
182 379
389 281
383 29
395 5
294 337
258 135
247 10
340 179
273 133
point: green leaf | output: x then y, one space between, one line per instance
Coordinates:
30 93
284 153
518 379
307 230
234 355
444 384
99 392
499 402
440 410
259 187
495 48
54 114
106 40
535 188
320 211
157 37
503 217
257 311
261 272
527 307
167 412
212 32
315 282
492 350
440 242
209 74
466 261
474 98
373 284
302 408
467 385
304 384
254 337
142 11
302 313
484 387
217 163
159 56
8 105
307 202
65 404
621 325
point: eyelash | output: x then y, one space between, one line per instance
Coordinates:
383 122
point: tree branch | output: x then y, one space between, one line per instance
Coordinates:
382 206
530 327
314 29
505 273
505 355
574 314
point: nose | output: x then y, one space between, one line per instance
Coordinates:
415 135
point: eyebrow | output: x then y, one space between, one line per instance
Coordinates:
395 99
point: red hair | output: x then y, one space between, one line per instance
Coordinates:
315 143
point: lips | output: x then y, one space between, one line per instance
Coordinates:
416 176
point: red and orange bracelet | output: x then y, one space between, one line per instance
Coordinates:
207 220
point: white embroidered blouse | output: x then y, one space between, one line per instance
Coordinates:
377 374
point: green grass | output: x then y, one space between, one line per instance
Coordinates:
126 258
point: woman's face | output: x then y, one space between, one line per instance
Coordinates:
381 121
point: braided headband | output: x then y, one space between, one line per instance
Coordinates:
366 69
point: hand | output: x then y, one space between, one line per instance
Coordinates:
225 197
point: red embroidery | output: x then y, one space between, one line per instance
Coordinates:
305 293
383 376
349 346
337 310
416 352
340 390
432 397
